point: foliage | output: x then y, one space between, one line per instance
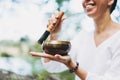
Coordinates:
5 54
36 47
60 2
44 75
66 75
24 39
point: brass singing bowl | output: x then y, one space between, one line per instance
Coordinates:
56 47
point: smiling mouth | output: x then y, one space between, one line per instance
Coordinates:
88 5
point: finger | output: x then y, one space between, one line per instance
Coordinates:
35 54
59 15
38 55
59 57
52 21
63 59
42 55
63 19
56 14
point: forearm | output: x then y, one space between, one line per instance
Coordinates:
82 74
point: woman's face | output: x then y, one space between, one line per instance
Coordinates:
96 8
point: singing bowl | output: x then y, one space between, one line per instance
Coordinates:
56 47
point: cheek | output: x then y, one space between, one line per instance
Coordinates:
102 8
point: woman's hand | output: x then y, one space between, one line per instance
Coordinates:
54 24
63 59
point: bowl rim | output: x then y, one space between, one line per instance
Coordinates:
56 42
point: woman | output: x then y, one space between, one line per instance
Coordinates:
97 52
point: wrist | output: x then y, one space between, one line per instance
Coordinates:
73 66
74 69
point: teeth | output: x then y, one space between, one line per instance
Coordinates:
88 6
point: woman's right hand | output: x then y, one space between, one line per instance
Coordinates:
54 25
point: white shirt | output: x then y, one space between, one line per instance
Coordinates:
101 63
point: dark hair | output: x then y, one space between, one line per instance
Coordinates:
113 6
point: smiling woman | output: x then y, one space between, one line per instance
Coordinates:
94 55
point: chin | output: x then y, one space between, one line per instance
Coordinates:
91 14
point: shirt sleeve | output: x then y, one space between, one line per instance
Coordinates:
113 72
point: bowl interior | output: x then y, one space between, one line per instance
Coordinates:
57 47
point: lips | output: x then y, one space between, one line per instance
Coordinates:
89 5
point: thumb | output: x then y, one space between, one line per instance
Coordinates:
61 58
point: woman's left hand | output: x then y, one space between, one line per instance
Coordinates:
63 59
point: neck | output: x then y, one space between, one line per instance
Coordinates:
102 23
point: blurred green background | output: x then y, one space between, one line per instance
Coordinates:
22 22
